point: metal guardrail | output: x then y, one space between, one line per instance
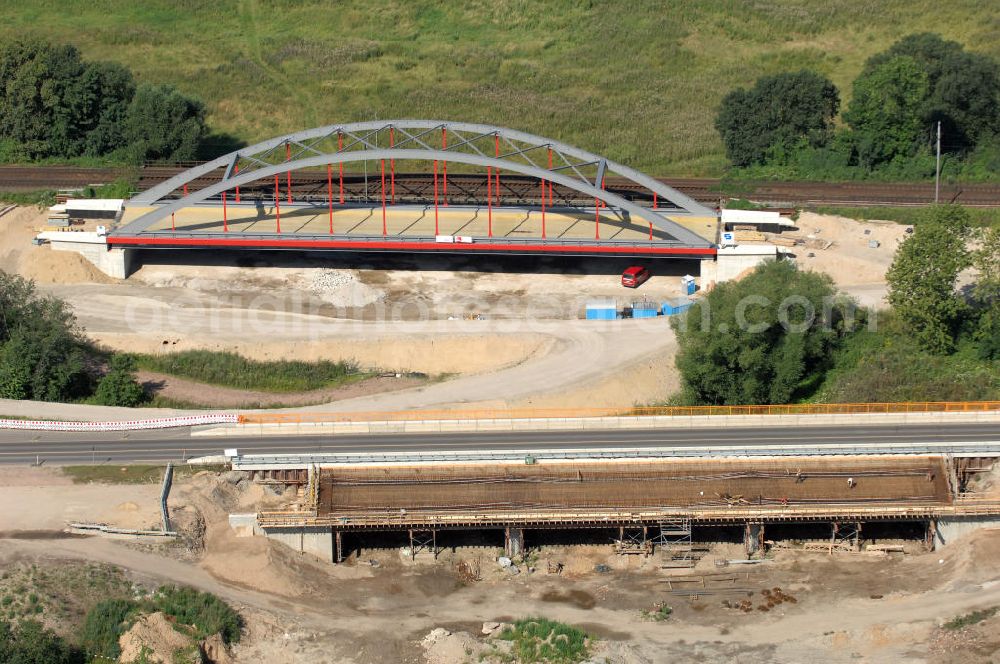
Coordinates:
258 461
664 411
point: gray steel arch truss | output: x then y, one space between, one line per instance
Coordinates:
425 140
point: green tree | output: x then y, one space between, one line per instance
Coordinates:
923 275
761 339
36 80
42 351
163 124
885 113
30 643
780 111
103 94
986 260
119 386
53 103
963 87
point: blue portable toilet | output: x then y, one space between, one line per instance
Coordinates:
687 285
678 305
601 310
645 309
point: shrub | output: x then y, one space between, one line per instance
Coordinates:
205 612
31 643
119 387
107 621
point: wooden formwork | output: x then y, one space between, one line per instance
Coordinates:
635 486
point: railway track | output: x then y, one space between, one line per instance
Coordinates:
515 189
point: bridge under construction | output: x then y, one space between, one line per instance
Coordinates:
640 505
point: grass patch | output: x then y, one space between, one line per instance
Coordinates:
973 618
137 473
40 198
60 594
204 612
905 215
648 101
544 640
233 370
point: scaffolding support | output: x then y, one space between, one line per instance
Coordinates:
845 536
423 540
633 541
675 542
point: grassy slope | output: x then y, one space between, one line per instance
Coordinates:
637 80
232 370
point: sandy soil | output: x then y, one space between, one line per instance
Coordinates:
850 261
298 609
44 499
45 266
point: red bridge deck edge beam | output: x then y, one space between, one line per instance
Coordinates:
281 243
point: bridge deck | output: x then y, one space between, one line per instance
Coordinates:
513 227
630 491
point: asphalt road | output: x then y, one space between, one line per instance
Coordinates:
25 447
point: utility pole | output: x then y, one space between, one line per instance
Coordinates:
937 167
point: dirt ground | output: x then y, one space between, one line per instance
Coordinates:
524 344
380 606
214 396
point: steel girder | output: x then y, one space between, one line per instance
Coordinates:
422 140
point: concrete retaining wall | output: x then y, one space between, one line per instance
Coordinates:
113 261
949 530
731 262
315 541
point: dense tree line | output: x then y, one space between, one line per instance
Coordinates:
786 121
55 104
44 355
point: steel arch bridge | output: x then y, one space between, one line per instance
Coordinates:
496 149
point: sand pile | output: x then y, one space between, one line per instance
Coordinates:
254 562
153 639
41 263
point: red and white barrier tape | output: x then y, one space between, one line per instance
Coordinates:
130 425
